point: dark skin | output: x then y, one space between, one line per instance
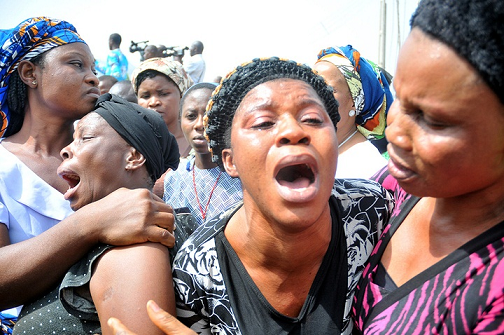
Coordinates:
61 90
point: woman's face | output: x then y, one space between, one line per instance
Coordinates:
94 164
337 81
446 126
283 149
66 79
162 95
191 120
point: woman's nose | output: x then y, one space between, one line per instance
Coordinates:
198 124
291 132
66 152
153 101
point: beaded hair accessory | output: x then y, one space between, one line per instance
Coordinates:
228 95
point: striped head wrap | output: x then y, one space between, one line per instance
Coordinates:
26 41
368 86
229 94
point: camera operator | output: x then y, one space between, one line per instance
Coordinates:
151 51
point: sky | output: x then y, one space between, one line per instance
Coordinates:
232 31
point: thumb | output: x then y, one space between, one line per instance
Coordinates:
165 321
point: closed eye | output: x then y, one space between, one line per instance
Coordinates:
313 121
420 117
263 125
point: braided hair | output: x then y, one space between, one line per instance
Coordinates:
228 95
17 96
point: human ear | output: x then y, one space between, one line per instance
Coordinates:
27 74
228 162
134 159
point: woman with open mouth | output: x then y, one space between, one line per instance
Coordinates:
287 260
119 144
47 81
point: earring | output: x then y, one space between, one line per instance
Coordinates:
34 82
351 113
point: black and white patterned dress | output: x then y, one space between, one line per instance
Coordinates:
215 294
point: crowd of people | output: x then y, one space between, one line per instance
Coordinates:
285 199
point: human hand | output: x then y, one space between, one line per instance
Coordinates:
165 321
126 217
158 188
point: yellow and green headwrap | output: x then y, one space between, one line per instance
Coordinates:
368 86
29 39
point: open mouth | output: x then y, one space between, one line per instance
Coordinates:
73 181
296 176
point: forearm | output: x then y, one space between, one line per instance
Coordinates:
32 267
124 217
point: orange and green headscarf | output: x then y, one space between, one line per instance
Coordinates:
29 39
368 86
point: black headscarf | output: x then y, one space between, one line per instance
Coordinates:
143 129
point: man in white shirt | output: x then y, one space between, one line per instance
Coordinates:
195 66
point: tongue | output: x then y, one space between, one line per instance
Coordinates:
301 182
68 194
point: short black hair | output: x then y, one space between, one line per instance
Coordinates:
116 38
198 86
474 29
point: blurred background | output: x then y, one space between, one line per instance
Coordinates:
232 31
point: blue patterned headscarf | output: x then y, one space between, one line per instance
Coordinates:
368 86
29 39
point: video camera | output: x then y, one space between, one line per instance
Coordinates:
175 51
134 47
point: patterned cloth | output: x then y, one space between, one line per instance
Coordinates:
461 294
7 322
203 300
29 39
171 69
116 66
368 85
179 190
69 308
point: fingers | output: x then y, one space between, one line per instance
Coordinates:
118 328
161 235
165 321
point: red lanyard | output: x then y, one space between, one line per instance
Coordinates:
203 213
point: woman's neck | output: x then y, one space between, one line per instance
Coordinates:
258 241
474 212
46 138
204 161
183 144
353 138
